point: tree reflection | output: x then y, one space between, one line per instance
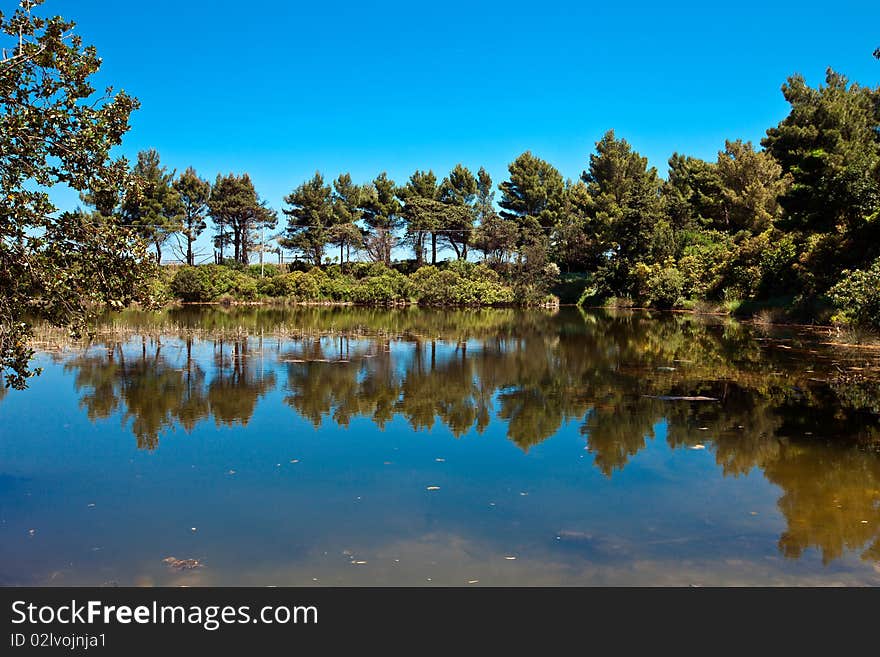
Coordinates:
804 415
157 393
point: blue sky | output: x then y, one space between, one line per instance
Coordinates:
280 89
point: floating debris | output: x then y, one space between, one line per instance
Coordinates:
703 429
433 488
232 472
681 397
294 460
698 446
32 531
440 460
359 563
473 581
182 564
523 493
91 505
192 529
510 558
665 368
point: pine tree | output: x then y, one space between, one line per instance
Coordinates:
194 194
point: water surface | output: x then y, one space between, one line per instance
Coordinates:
412 447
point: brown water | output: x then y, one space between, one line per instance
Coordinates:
495 447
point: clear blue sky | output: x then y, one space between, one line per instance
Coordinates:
282 88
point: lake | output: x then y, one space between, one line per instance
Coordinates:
353 446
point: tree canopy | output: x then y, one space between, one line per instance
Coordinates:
56 130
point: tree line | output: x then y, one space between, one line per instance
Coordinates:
795 217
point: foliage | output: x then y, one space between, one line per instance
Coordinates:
193 194
462 284
151 205
857 296
55 130
660 285
309 218
238 213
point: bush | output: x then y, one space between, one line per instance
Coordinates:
202 283
856 296
190 284
390 287
267 271
659 285
242 286
461 284
368 269
298 285
665 287
704 261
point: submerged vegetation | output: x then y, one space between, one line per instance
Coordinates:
791 228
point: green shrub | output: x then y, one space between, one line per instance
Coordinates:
460 284
299 286
390 287
434 287
665 287
659 285
856 296
264 271
202 283
337 288
368 269
242 286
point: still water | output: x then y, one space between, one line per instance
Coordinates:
346 446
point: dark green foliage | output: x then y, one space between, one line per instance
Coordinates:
535 189
211 282
309 218
625 206
193 194
380 211
830 145
238 214
459 192
151 205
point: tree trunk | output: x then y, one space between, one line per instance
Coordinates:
433 248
